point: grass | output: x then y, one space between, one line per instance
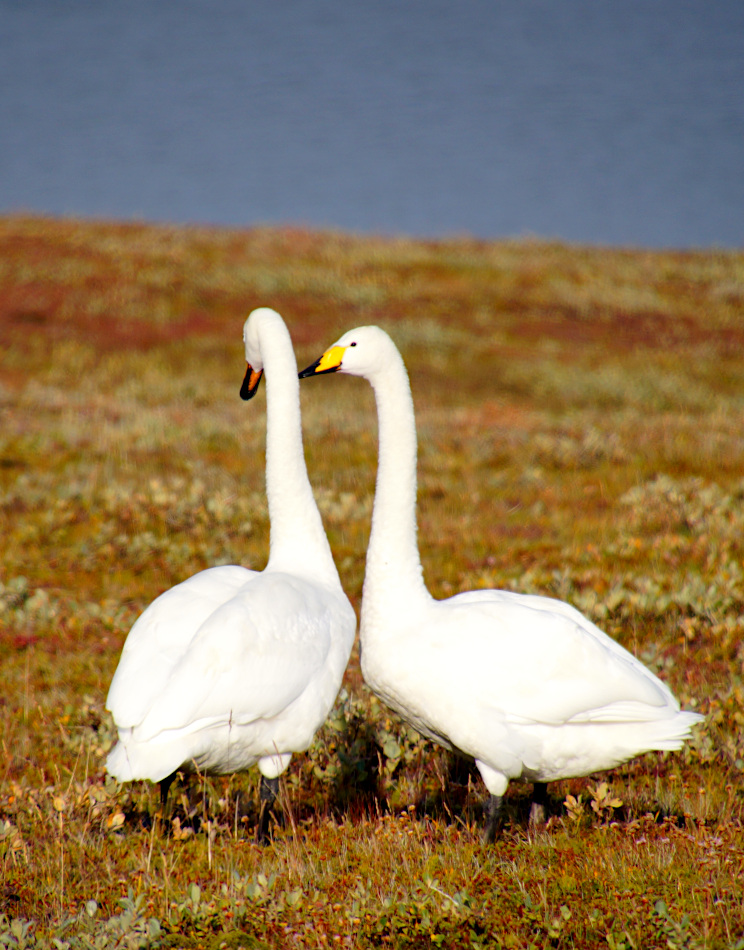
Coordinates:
580 426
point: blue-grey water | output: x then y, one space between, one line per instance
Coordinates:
605 121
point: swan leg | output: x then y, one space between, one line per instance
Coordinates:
493 818
268 794
539 807
165 785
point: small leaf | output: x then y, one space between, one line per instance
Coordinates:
391 748
294 897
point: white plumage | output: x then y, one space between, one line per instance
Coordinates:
525 685
235 667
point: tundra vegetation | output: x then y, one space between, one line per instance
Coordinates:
581 430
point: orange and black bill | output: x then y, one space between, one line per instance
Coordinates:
250 384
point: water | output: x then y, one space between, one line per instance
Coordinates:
586 120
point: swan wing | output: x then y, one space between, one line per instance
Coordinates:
250 659
488 678
161 636
535 664
547 605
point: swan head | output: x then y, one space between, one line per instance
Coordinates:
361 352
251 338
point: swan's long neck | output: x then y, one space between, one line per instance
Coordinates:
298 541
394 578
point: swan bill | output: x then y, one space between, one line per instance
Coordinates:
330 362
250 383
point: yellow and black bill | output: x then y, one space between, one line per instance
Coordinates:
330 362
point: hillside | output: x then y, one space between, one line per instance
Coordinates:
581 435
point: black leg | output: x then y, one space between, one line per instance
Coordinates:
269 791
539 807
165 785
493 819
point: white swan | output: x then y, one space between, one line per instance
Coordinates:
235 667
525 685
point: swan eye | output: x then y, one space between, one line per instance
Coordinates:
352 344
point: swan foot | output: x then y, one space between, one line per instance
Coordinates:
493 819
539 807
268 794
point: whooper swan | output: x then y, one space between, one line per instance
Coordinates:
234 667
525 685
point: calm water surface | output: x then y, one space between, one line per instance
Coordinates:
589 120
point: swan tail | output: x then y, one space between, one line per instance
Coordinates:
671 734
119 765
129 761
669 723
